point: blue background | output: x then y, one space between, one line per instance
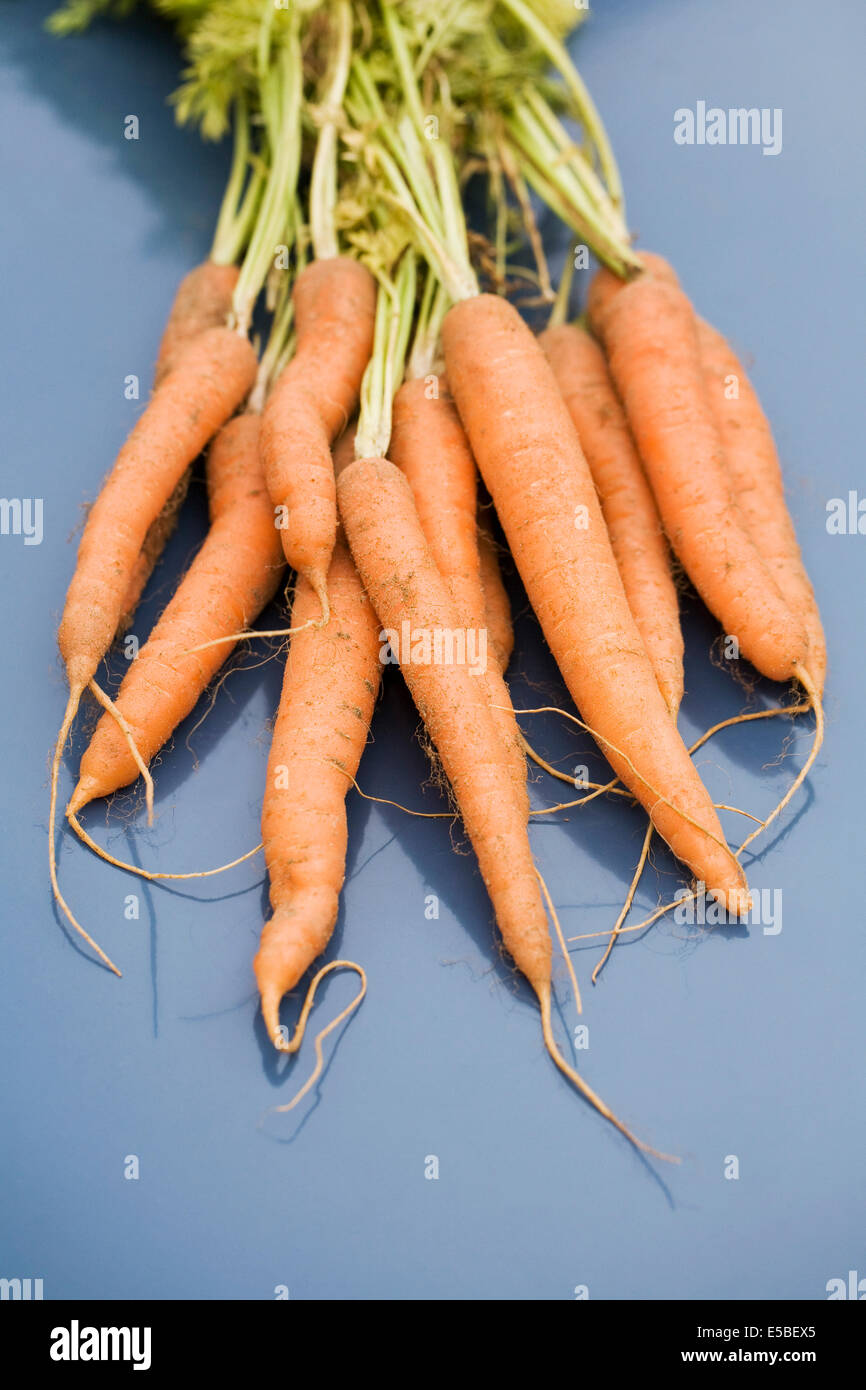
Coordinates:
709 1044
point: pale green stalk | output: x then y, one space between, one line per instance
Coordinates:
583 103
394 312
282 93
559 312
323 178
426 344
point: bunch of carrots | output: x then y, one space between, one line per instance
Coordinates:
351 358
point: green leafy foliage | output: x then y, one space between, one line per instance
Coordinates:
77 15
222 47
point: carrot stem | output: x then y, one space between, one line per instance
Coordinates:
559 312
394 310
323 176
427 344
232 222
282 89
584 105
558 171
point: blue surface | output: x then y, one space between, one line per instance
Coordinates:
730 1043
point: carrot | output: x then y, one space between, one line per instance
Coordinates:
191 404
344 450
650 335
633 524
203 300
497 607
399 573
530 458
605 285
311 402
627 503
159 533
233 577
404 583
329 690
753 464
429 446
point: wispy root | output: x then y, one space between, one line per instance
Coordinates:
814 703
585 1090
68 719
626 908
149 874
554 917
298 1036
810 688
612 748
383 800
111 707
254 632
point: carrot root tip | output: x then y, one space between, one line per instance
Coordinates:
85 792
543 992
271 1000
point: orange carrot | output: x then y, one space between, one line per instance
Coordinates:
191 404
203 300
211 379
497 606
404 584
159 533
311 402
530 458
650 335
606 286
627 503
233 577
401 577
429 445
344 450
753 464
329 690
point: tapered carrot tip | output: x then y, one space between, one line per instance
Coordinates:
87 790
272 997
285 952
737 902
